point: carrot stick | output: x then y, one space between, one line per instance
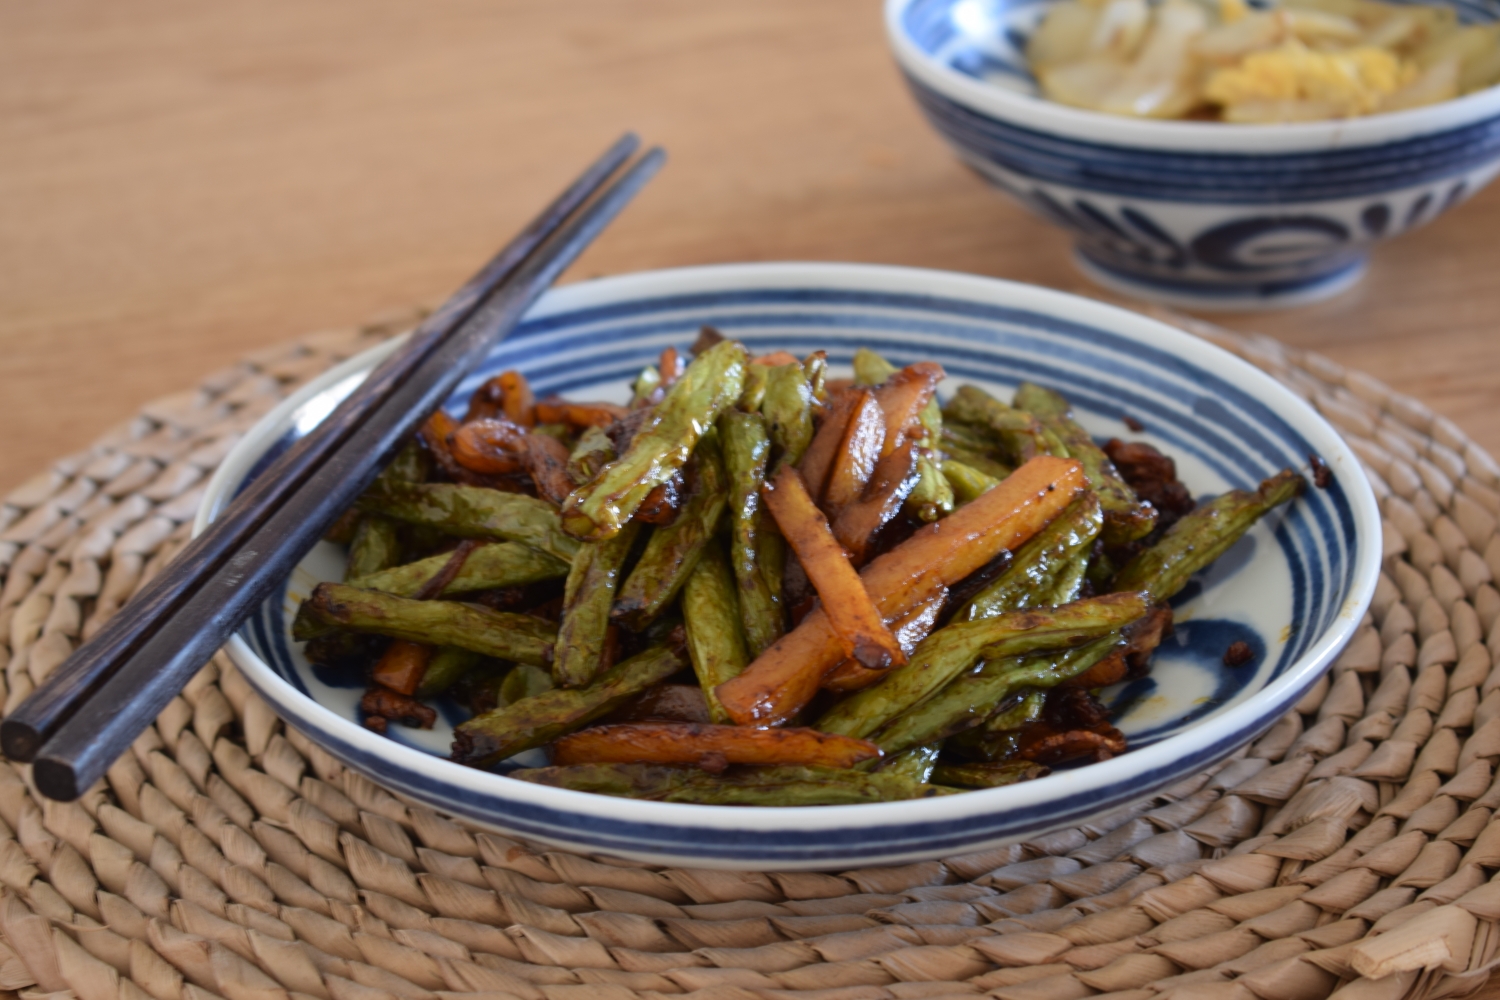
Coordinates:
712 747
491 445
817 460
848 606
855 460
401 666
783 679
775 359
909 630
858 522
518 401
902 397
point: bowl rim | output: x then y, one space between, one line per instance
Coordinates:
1283 691
1098 128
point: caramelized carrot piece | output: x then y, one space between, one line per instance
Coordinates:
783 679
858 452
554 410
817 460
670 367
902 397
850 610
776 359
857 523
712 747
547 461
487 401
517 399
911 629
490 445
661 504
401 667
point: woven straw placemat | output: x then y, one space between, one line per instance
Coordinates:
1348 852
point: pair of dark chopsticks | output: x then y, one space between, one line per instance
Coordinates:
99 700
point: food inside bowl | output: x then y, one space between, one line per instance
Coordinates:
1302 60
758 585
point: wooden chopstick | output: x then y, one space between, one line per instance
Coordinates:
103 724
24 731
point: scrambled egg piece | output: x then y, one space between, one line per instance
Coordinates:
1355 81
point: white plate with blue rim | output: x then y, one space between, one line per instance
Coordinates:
1294 588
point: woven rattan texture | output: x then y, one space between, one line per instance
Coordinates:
1348 852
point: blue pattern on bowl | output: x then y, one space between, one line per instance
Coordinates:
1289 588
1192 222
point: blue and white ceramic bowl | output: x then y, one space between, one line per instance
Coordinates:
1201 214
1294 589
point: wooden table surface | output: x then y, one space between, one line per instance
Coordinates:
183 183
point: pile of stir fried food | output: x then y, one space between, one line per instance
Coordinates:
758 585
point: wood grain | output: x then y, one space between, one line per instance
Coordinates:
184 183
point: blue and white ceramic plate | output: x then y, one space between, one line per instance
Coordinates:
1294 589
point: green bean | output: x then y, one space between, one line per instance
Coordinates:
376 546
932 497
523 681
588 597
815 370
968 483
747 448
711 384
787 407
743 786
593 452
645 384
475 512
870 368
972 698
1126 517
1203 535
446 666
988 775
1021 434
1047 564
434 623
1028 709
673 550
754 392
501 564
957 445
711 614
410 465
951 651
916 764
542 718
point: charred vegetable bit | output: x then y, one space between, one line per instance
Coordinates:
542 718
520 638
711 384
878 597
750 786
